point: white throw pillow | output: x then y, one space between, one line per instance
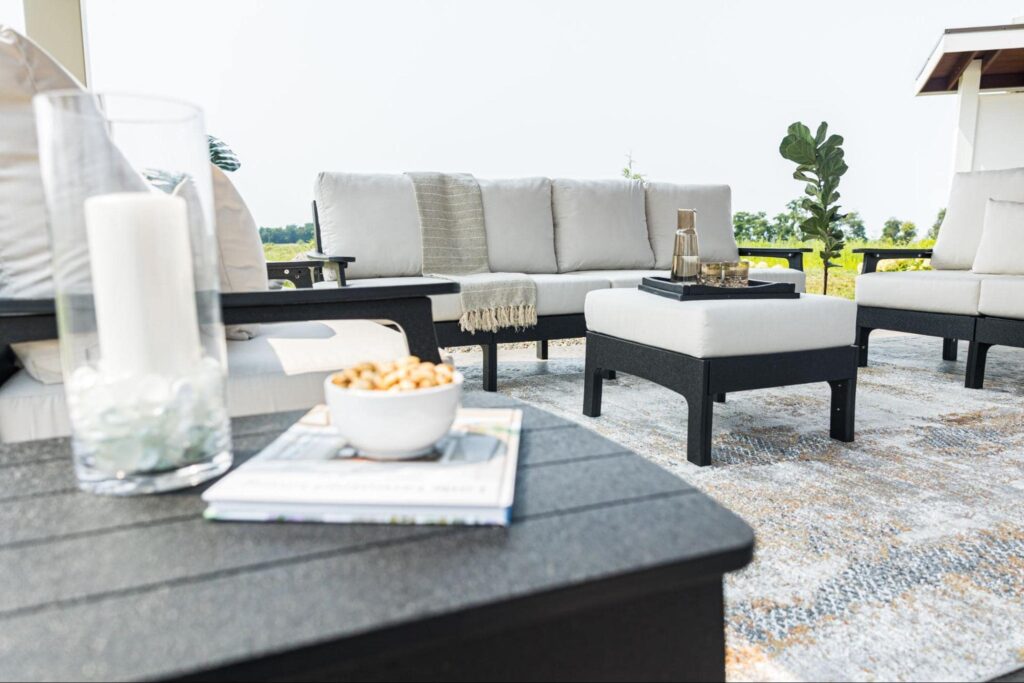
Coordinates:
520 227
961 229
714 220
1001 251
243 265
25 70
372 217
600 224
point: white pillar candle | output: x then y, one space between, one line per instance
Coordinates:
141 262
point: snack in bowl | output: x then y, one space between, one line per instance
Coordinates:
394 410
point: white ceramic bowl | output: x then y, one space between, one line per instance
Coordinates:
393 425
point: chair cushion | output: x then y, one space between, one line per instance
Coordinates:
564 294
1001 251
519 224
372 217
961 229
717 329
796 277
600 224
714 220
281 369
25 70
624 278
929 291
1002 296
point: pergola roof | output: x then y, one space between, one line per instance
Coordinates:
1001 49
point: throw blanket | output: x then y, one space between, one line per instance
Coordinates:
455 247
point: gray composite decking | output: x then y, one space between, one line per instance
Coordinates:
612 567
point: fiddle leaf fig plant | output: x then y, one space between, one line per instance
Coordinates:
820 165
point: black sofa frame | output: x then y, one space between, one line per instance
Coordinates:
981 331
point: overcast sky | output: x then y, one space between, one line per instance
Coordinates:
698 91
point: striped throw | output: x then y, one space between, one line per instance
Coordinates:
455 246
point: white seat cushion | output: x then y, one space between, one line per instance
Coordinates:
930 291
961 229
796 277
717 329
624 278
1002 296
519 224
564 294
714 220
600 224
372 217
281 369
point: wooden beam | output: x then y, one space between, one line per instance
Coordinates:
958 70
58 27
989 60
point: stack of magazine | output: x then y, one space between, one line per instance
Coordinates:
309 475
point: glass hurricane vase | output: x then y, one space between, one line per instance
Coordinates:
135 272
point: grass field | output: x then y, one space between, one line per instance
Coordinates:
841 279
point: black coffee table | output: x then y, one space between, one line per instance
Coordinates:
612 569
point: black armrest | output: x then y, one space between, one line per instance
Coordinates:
303 274
794 255
873 255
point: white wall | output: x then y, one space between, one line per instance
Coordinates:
999 140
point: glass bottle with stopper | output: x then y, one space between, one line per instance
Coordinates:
686 253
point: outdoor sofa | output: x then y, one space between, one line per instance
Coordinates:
571 237
975 291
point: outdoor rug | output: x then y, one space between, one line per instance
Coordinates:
897 557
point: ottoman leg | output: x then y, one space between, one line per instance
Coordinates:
949 349
542 349
844 408
698 429
977 355
592 385
608 374
719 398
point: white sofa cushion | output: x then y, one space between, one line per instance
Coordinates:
961 229
796 277
564 294
1001 251
716 329
519 224
1002 296
25 70
372 217
624 278
929 291
714 220
281 369
600 224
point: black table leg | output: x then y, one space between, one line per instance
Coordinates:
593 382
719 398
416 319
490 366
542 349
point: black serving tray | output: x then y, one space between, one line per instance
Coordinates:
680 291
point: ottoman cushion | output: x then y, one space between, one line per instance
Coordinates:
717 329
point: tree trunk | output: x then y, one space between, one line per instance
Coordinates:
824 289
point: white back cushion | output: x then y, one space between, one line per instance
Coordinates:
25 70
714 220
961 230
1001 251
520 227
600 224
372 217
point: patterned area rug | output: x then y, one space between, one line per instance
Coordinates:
897 557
